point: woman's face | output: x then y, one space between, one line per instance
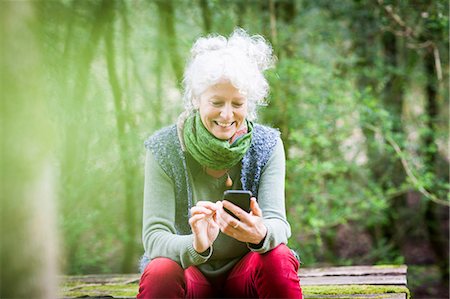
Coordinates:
222 110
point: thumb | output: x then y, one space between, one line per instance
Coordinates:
254 207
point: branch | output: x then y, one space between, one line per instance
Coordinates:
273 23
437 62
412 34
408 169
408 31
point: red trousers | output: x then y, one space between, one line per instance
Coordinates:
269 275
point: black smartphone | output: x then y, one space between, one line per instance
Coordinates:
240 198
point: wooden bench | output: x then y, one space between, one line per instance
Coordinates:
335 282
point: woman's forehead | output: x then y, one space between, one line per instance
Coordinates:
224 89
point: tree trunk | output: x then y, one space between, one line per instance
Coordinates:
28 250
206 16
74 98
436 236
393 102
241 8
365 29
282 49
75 103
167 23
128 173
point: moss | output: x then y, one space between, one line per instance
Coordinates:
381 296
131 290
354 289
115 290
388 266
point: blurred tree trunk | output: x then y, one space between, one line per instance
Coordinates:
67 52
392 172
436 236
129 173
158 70
393 89
73 155
152 104
241 9
28 250
169 40
162 44
80 86
273 28
364 44
366 29
283 49
206 16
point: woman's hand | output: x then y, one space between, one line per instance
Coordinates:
248 228
204 225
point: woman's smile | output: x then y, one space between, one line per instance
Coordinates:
224 125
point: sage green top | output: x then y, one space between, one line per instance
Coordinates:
159 233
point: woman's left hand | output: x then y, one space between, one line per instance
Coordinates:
248 228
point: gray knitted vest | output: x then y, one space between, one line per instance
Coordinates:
165 147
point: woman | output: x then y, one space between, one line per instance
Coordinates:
193 248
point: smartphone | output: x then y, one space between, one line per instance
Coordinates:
240 198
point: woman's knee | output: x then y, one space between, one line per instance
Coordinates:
162 277
276 274
280 256
161 268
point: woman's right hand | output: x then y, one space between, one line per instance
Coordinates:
204 225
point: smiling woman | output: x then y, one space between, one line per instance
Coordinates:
193 247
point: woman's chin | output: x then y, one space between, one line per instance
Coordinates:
223 133
220 134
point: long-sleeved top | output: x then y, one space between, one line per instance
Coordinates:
159 234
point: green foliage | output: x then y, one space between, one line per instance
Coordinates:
326 181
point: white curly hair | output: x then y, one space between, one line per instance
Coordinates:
241 59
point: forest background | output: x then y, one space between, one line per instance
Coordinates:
360 93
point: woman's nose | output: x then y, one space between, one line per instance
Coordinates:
226 112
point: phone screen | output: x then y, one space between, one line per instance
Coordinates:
240 198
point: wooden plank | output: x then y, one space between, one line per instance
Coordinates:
368 279
353 270
303 272
332 282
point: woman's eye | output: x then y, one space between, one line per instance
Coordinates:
238 105
216 104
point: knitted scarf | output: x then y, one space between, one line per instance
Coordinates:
210 151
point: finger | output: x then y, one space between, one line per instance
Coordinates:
228 224
254 207
218 217
235 225
214 224
230 228
237 211
219 205
223 219
201 210
194 219
208 205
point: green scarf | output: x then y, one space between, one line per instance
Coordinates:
210 151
